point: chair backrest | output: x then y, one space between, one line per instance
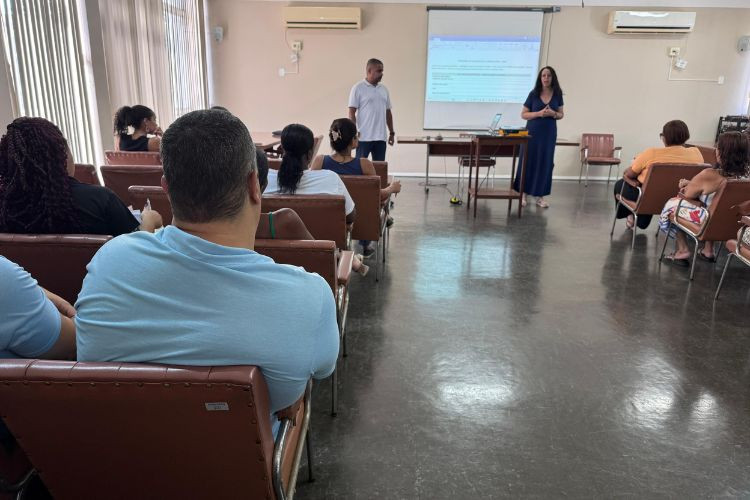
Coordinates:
87 174
723 223
158 198
708 153
599 144
324 215
132 158
381 169
274 163
365 191
57 261
661 184
142 431
119 178
314 256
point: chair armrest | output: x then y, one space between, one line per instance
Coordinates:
745 220
584 153
632 182
617 152
290 412
344 268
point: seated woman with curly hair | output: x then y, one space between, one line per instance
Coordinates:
146 134
732 150
38 193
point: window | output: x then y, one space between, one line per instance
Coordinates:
46 57
182 23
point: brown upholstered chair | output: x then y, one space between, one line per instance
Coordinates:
132 158
381 169
119 178
152 431
321 257
370 223
660 185
739 248
721 223
87 174
324 215
708 153
158 198
15 471
57 261
274 163
598 149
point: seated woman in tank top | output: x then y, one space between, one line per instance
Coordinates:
293 177
146 134
344 139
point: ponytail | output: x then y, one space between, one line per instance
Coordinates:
128 116
297 141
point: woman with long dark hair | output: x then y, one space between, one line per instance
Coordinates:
294 176
146 134
38 193
732 150
542 109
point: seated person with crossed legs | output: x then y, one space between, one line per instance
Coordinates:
674 135
196 293
345 139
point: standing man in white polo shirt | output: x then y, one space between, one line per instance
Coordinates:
370 109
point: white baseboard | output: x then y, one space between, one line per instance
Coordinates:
441 175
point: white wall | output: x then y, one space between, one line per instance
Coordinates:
614 84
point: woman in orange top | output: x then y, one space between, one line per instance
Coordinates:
674 135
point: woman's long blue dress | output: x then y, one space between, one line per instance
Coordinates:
541 153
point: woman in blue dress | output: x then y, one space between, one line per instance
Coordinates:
542 109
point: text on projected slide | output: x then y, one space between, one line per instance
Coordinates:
481 69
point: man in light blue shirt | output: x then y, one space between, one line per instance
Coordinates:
196 293
34 323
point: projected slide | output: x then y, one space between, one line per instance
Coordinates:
480 63
481 68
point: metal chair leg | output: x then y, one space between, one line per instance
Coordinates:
377 262
580 173
666 239
718 252
721 281
635 230
587 175
335 391
308 446
609 174
695 257
614 220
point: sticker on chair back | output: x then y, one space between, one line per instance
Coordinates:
217 406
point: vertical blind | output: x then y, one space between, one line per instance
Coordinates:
183 30
44 49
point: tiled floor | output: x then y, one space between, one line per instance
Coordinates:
535 357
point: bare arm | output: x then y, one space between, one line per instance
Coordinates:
317 163
65 347
353 114
527 114
559 114
389 122
153 143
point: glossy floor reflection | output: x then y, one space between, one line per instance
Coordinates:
535 357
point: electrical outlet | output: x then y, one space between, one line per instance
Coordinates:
674 51
297 45
282 72
720 80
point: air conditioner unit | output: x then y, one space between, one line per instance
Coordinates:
633 21
337 18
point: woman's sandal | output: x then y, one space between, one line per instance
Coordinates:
701 256
677 262
541 203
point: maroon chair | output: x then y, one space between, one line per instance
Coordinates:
57 261
125 430
156 196
598 149
86 174
132 158
119 178
739 248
